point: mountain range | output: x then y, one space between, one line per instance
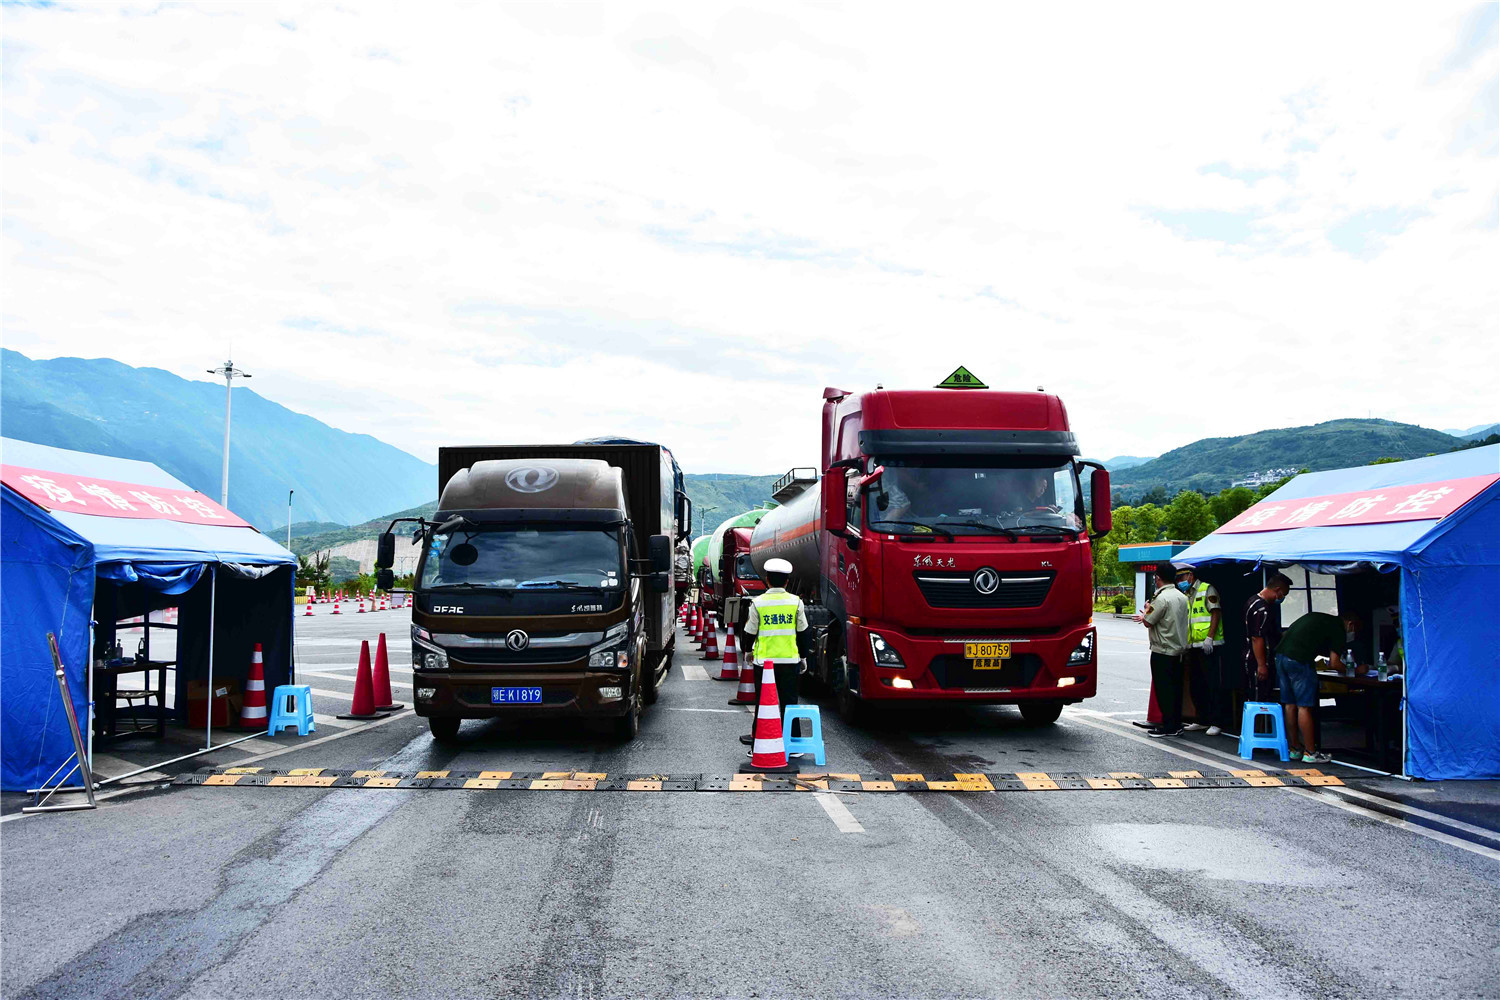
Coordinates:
109 408
347 485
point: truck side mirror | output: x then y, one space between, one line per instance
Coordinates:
385 551
385 580
835 501
659 553
1099 500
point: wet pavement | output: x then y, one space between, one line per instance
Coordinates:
1376 886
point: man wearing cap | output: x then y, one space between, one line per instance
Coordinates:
776 619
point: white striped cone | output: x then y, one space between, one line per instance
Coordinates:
308 613
382 605
768 751
361 605
745 695
335 606
711 649
253 715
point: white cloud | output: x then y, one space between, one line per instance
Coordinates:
449 223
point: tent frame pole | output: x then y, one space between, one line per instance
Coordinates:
80 755
213 596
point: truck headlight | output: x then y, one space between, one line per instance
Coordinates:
425 657
1084 653
885 654
609 658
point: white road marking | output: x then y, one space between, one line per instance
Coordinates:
694 671
838 812
726 711
304 672
1111 726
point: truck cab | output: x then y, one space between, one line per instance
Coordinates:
535 596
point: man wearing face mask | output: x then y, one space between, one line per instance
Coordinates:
1262 633
1201 659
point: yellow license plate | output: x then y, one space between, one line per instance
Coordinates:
987 650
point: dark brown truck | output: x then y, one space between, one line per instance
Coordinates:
543 588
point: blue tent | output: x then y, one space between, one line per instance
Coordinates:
61 570
1449 592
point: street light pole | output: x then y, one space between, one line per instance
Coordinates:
229 371
289 519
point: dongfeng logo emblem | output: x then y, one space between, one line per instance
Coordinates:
517 640
532 479
986 580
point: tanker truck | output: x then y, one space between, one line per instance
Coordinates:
944 554
734 578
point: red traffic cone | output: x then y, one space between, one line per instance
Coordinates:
768 752
363 705
702 637
361 604
335 606
729 670
308 613
744 672
254 715
382 680
711 649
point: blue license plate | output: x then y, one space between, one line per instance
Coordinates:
515 696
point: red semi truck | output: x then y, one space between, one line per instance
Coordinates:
945 554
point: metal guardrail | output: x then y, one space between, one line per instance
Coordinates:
793 483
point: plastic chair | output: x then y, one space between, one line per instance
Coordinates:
804 744
291 705
1251 741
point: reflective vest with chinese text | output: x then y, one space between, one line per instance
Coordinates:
776 635
1199 615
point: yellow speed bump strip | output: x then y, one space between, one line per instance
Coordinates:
598 781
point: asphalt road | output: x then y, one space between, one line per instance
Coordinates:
1381 887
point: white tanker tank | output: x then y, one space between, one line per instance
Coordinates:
793 532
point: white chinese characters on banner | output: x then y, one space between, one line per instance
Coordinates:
1306 511
155 502
1420 500
1357 506
55 491
198 507
1262 515
106 494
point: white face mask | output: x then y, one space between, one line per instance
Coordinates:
1348 636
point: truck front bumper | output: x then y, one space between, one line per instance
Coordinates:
1040 667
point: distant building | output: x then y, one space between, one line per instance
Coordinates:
1262 478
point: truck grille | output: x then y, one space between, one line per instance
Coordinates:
1021 589
952 671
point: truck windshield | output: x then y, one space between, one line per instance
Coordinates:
744 568
965 496
513 559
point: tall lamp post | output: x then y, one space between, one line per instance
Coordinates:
230 373
289 518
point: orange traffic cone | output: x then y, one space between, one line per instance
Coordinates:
254 715
744 671
711 650
768 752
363 705
382 680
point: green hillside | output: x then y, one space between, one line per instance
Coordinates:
1211 464
730 494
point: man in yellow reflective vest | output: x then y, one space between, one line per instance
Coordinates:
1202 660
777 619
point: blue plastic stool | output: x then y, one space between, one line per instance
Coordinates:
300 714
1251 741
804 744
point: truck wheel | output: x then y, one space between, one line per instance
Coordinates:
627 725
1040 713
444 727
653 678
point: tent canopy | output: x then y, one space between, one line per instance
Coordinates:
1450 587
51 561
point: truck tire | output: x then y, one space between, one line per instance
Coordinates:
650 686
444 727
852 708
1040 713
627 725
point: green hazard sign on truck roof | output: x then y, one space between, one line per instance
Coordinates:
961 379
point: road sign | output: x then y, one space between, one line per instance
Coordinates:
961 378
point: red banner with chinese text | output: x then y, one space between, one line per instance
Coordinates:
61 491
1421 502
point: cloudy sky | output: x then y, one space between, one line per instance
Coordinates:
442 223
